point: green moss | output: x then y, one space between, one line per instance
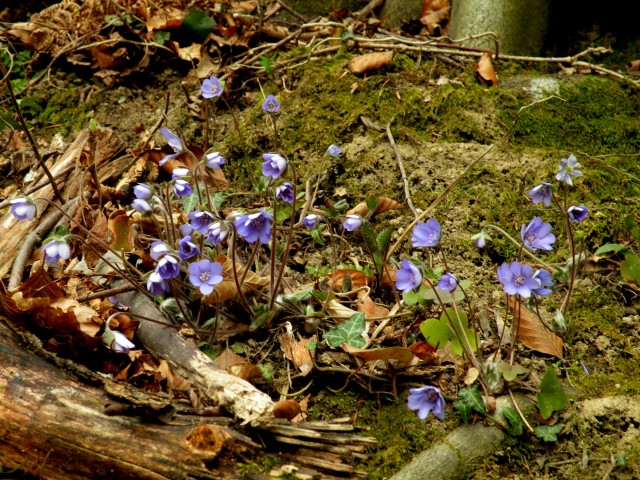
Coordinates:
61 109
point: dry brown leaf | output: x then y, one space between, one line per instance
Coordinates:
296 350
88 319
357 278
174 382
369 62
633 66
336 310
485 70
384 204
286 409
400 354
228 358
227 290
435 14
369 307
120 228
533 334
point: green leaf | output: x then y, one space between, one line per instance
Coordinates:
350 332
548 433
551 397
448 318
237 348
428 295
317 236
463 409
198 24
372 242
383 239
436 334
471 396
514 420
218 199
510 372
410 298
162 37
189 203
372 202
267 371
630 267
611 247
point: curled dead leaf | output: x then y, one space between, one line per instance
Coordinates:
485 71
383 204
286 409
369 62
533 334
401 354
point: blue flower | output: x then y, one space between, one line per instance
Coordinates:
426 234
481 239
181 172
211 87
274 165
217 232
55 250
310 221
156 285
537 235
408 277
517 278
182 188
352 223
448 282
186 248
270 104
116 341
284 192
425 400
214 160
174 142
143 191
23 208
334 150
541 193
186 229
254 227
577 214
168 267
569 169
204 275
200 221
140 205
545 280
158 249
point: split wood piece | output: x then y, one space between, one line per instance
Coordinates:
55 428
236 395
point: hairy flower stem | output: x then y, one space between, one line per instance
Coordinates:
234 267
519 245
572 249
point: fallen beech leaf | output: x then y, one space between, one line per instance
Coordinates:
435 15
383 204
485 71
88 319
401 354
121 230
336 310
369 62
533 334
425 352
633 66
358 278
245 371
369 307
286 409
174 382
471 376
228 358
296 351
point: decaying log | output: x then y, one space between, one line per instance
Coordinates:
53 427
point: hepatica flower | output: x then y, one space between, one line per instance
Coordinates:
545 280
352 223
481 239
200 221
274 165
217 232
182 188
140 205
254 227
284 192
310 221
168 267
426 234
518 278
448 282
425 400
270 104
174 142
23 208
408 277
186 248
577 214
569 169
143 191
537 235
334 150
55 250
156 285
204 275
181 173
211 87
214 160
541 193
158 249
116 341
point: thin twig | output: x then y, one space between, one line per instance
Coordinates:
403 173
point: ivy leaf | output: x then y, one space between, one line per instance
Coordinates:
548 433
189 203
218 199
463 409
515 422
471 396
350 332
551 397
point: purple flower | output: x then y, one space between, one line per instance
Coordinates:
425 400
545 280
186 229
180 172
270 104
186 248
334 150
182 188
200 221
214 160
352 223
140 205
156 285
481 239
54 250
569 169
217 232
143 191
274 165
541 193
517 278
158 249
448 282
204 275
121 343
577 214
426 234
211 87
116 302
168 267
284 192
408 277
23 208
256 226
537 235
174 142
310 221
